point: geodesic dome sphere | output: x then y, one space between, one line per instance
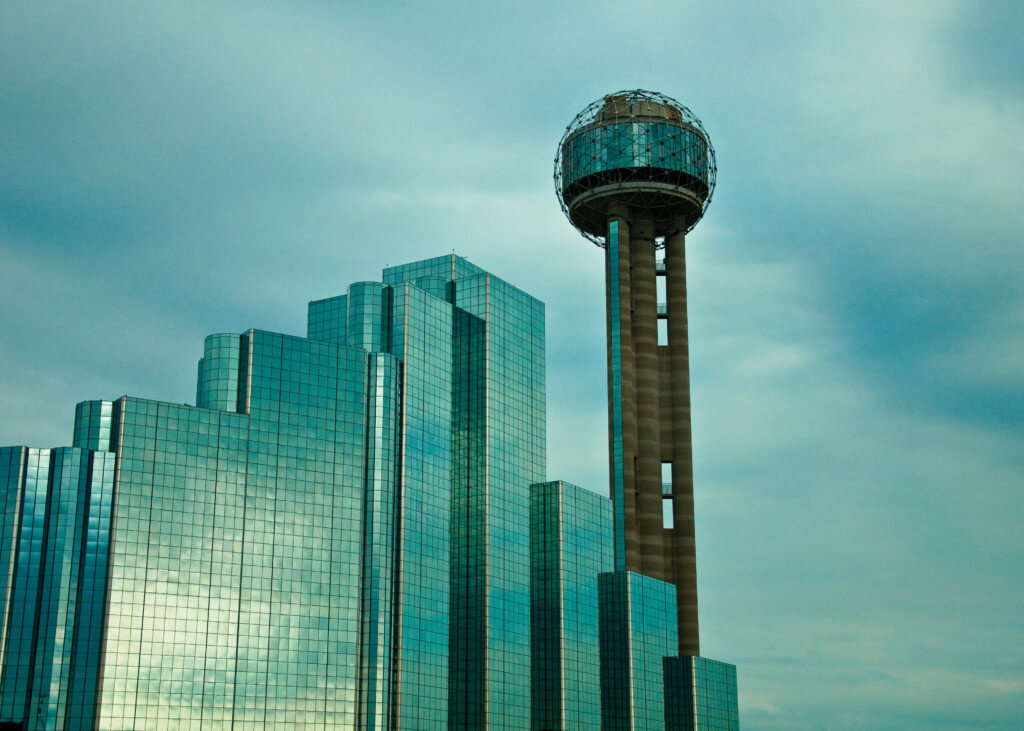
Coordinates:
637 148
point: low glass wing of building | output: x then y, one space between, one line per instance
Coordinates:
570 544
700 693
638 631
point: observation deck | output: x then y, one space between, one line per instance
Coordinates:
639 149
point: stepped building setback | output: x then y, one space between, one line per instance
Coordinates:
355 529
335 536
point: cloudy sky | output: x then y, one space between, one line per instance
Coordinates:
168 170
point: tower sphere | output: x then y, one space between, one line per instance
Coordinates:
640 149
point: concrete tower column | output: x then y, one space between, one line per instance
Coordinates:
683 545
631 168
643 281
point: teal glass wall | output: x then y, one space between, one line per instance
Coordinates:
700 694
420 337
468 645
284 553
638 630
546 608
54 568
235 576
570 544
615 436
94 422
218 373
498 424
25 557
659 145
93 581
13 461
327 319
366 308
58 595
414 324
514 412
379 543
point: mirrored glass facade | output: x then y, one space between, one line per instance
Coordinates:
348 530
570 544
648 144
700 694
638 630
335 536
57 506
236 565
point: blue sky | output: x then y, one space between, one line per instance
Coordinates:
856 288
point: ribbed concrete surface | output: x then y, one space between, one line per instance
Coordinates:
655 404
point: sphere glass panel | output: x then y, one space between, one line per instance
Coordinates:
639 149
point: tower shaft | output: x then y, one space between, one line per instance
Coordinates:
649 413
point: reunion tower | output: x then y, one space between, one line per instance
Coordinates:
635 172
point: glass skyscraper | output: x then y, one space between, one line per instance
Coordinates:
349 529
335 536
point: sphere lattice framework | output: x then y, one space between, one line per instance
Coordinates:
640 149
